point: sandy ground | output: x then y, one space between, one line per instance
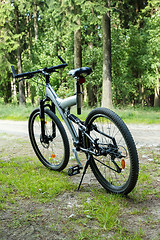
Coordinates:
144 135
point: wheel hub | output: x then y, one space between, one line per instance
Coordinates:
44 141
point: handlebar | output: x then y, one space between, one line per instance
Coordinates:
46 70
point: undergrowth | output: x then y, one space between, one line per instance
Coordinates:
135 115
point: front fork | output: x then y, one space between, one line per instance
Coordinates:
43 122
42 118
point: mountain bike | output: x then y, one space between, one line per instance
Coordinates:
104 138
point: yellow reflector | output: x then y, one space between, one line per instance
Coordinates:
123 164
53 156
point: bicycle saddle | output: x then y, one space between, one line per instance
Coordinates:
78 71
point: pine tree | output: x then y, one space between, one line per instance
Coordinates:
107 79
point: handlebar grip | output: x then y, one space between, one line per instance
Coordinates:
13 71
26 74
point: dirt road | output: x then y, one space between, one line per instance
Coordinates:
144 135
17 128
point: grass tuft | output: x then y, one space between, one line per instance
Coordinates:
24 177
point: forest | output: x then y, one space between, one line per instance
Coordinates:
118 39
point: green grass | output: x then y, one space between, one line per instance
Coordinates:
15 112
22 177
136 115
97 215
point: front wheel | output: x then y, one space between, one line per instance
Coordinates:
53 152
116 166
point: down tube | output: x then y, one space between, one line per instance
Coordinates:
50 93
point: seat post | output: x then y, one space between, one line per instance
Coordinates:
78 97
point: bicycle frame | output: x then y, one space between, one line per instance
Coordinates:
63 105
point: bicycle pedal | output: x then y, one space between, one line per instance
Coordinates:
74 170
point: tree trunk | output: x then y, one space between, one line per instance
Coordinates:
22 99
156 91
21 84
141 94
78 49
35 21
7 90
77 46
32 88
29 19
107 80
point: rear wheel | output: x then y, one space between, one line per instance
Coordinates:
116 168
53 152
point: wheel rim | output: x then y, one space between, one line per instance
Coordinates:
52 151
114 179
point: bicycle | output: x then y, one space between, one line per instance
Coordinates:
103 137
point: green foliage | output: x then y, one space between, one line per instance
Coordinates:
135 46
8 43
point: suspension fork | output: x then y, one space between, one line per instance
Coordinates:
42 101
43 122
53 109
42 118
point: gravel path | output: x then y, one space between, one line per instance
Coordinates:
144 135
17 128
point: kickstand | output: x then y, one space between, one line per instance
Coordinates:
85 169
